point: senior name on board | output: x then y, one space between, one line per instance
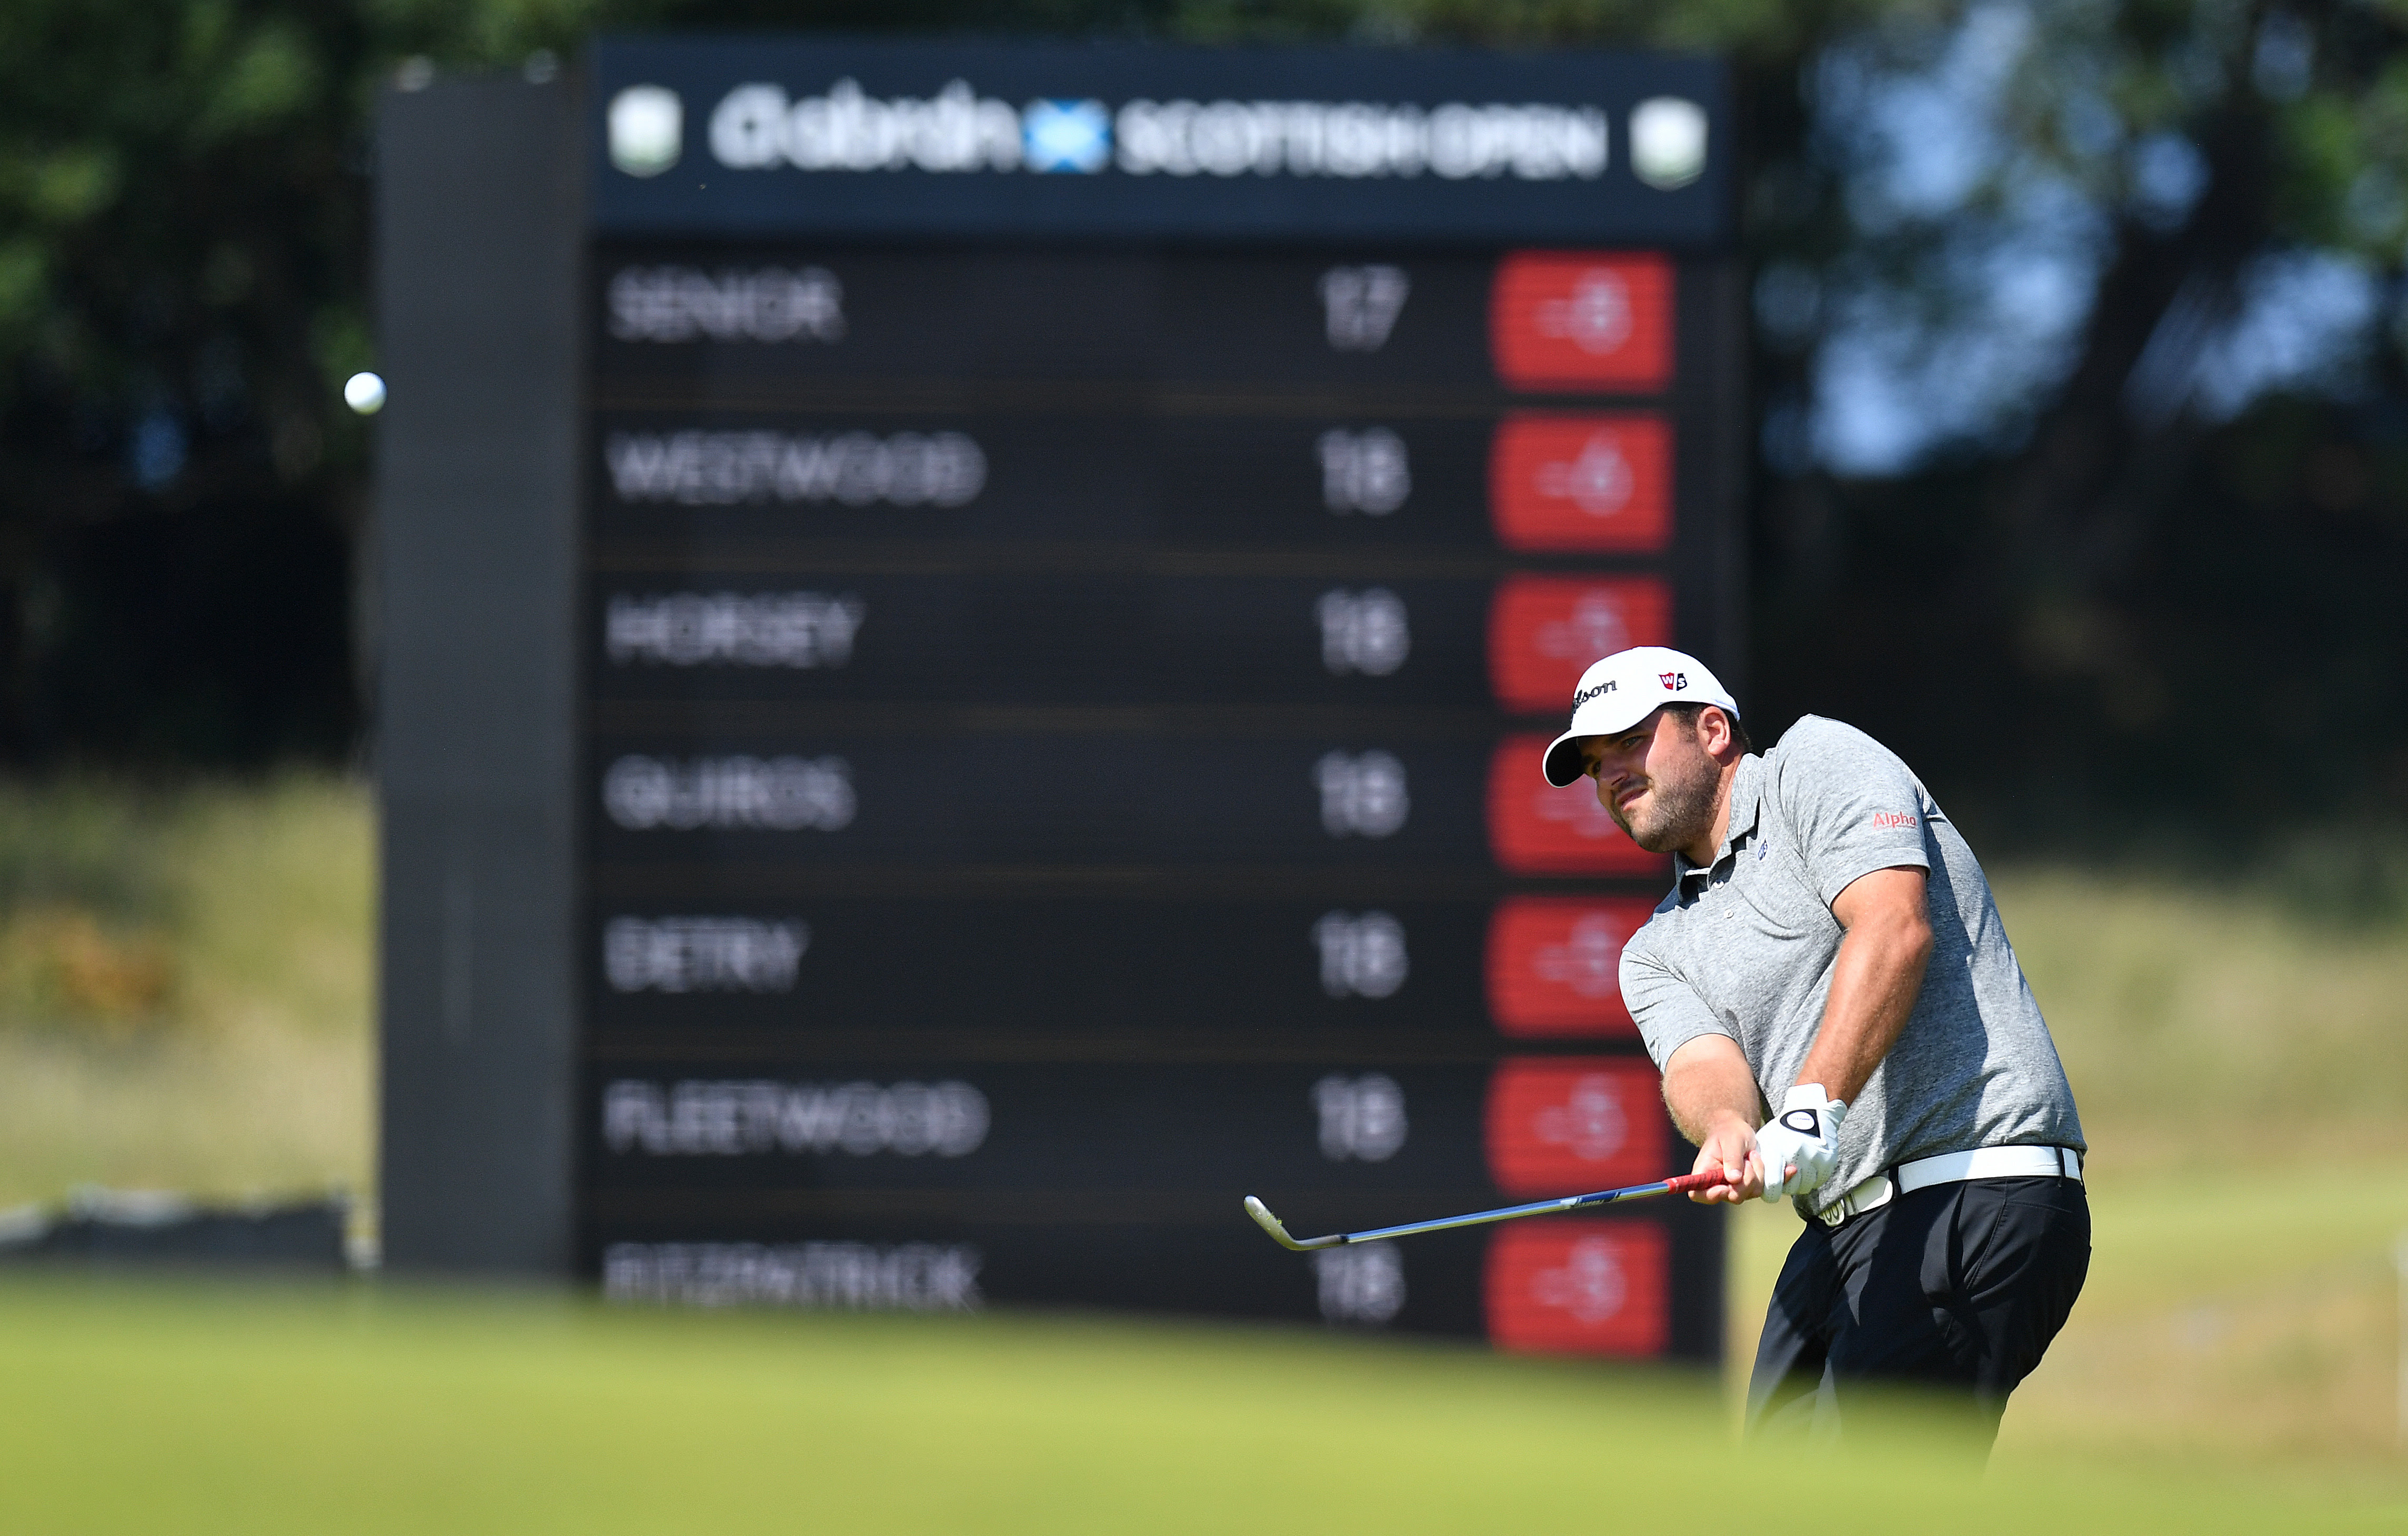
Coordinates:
1544 322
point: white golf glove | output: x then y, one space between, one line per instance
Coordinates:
1805 1135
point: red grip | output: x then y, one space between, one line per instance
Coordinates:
1689 1182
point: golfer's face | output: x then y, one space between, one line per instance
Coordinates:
1629 768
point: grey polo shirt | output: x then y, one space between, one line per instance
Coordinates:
1745 949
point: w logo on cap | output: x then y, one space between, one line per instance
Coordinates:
1674 681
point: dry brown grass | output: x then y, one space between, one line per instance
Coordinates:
2214 1023
184 987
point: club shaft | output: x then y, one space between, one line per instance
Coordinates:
1537 1208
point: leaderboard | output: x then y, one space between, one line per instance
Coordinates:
1068 635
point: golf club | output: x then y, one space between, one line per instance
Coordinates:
1681 1185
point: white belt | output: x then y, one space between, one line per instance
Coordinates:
1952 1167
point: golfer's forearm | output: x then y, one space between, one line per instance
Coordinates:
1875 983
1707 1084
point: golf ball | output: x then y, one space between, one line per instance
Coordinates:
363 392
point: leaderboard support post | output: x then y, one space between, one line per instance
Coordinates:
480 224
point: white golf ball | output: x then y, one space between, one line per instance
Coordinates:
363 392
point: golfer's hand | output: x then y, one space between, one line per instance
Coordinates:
1730 1151
1800 1146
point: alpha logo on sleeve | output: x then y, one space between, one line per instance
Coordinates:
1885 821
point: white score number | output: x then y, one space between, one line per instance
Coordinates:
1363 471
1359 306
1360 957
1365 1284
1362 794
1362 1118
1363 631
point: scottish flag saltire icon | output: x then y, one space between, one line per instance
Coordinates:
1066 136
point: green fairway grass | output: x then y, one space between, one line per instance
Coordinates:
370 1409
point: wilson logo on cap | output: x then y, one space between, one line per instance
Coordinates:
1674 681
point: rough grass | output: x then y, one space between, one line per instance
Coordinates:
2216 1023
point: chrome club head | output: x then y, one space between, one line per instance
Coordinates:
1268 1223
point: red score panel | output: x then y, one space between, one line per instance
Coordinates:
1582 320
1587 482
1567 1126
1567 1287
1544 631
1535 828
1554 965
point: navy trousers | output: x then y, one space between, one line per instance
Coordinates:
1957 1286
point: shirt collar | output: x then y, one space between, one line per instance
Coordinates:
1746 803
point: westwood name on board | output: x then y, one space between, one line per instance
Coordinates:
1555 481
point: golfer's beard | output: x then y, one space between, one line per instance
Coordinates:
1677 810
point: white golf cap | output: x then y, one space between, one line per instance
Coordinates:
1625 688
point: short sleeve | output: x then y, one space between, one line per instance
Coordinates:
1854 806
1668 1010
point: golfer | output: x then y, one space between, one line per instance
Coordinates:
1840 1020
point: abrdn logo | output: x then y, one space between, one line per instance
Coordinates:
756 126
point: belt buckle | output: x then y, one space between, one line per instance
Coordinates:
1866 1195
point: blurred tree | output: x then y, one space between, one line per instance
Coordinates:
183 239
177 264
2084 426
2085 415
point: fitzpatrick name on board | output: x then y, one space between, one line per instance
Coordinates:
833 1277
